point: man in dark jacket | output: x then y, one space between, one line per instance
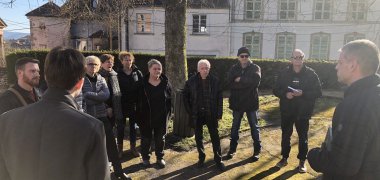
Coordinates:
297 87
352 150
25 91
204 103
57 141
244 79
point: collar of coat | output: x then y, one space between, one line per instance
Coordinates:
162 77
362 84
105 73
60 95
238 64
303 69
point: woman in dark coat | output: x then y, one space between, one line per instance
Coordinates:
153 110
129 76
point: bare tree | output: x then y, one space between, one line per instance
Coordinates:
108 12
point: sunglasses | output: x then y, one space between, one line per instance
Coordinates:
297 57
244 56
92 64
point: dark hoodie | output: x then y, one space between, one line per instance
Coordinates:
149 114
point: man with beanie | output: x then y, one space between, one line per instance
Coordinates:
244 80
297 87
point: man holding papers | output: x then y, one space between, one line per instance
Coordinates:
297 87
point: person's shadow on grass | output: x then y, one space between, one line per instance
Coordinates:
265 173
208 171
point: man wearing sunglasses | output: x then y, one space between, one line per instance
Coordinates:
297 87
244 79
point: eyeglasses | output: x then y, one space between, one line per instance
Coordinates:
297 57
92 64
244 56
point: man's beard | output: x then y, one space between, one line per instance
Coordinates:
34 82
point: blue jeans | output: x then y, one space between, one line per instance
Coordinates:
255 132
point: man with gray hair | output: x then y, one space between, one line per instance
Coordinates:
297 87
204 103
353 144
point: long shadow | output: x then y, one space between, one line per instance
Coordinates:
273 117
287 174
133 168
265 173
208 171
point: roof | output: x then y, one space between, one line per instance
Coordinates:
98 34
49 9
2 23
102 34
211 4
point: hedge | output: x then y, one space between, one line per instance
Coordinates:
219 66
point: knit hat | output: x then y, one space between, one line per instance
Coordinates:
243 50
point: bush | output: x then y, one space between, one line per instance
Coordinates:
220 66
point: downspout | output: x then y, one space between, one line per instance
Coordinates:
232 20
126 21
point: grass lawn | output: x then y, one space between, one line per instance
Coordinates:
269 115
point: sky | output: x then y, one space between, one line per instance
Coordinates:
15 17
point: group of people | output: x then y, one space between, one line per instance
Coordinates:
66 132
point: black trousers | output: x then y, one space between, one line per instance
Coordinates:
132 128
111 145
214 135
158 133
302 127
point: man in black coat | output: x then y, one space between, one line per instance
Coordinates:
51 139
297 87
243 80
204 103
25 91
352 148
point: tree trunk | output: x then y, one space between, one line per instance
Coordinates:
175 42
110 37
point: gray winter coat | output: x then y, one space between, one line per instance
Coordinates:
51 139
95 96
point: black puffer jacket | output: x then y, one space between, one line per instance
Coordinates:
306 80
191 98
244 94
143 107
355 145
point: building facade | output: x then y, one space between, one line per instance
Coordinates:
208 31
47 28
269 28
273 28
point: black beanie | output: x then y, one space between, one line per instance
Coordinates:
243 50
